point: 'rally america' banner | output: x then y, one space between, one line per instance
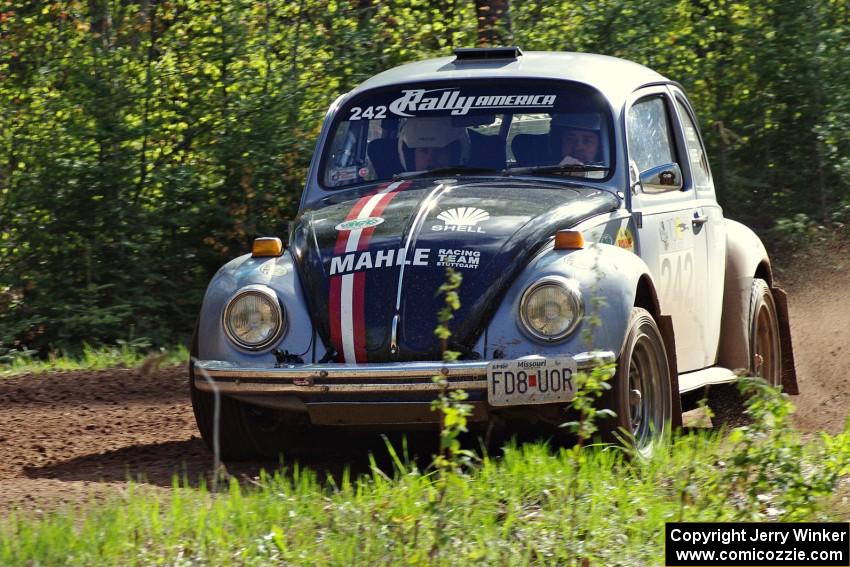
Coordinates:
473 98
415 100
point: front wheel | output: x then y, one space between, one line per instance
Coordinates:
245 431
234 438
640 393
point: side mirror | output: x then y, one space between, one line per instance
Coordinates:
662 178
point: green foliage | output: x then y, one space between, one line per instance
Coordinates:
589 387
450 403
800 232
796 230
142 145
452 303
767 81
770 473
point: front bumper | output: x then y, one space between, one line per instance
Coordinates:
397 393
378 378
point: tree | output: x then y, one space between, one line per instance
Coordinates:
494 23
143 144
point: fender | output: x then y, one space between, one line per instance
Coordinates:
609 279
746 259
276 273
612 280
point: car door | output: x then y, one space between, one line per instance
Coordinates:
665 237
708 221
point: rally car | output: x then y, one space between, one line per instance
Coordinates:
573 194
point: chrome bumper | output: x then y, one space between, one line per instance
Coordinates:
389 377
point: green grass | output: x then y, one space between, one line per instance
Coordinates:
92 358
530 506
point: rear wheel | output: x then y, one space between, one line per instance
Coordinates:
765 352
640 391
765 344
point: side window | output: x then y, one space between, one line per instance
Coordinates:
696 152
650 138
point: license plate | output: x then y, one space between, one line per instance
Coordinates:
530 381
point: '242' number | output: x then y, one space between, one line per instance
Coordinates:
674 274
371 112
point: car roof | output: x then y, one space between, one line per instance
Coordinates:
614 77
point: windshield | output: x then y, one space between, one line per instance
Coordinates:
470 126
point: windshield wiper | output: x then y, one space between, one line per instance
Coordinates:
563 168
452 170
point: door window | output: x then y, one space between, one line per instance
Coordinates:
650 138
696 152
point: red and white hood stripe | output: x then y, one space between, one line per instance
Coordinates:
347 292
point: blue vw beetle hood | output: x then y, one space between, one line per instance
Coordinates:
377 254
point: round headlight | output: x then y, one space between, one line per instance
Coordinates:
551 308
254 318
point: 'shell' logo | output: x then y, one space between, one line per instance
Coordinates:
462 219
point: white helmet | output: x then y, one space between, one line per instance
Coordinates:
431 132
584 121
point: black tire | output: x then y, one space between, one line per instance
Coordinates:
246 431
235 443
234 438
640 393
765 359
765 342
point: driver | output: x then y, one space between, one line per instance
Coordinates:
577 138
431 143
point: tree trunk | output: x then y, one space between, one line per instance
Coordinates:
150 15
100 20
819 110
494 23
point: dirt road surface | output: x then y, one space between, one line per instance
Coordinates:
68 437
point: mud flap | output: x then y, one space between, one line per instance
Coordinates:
789 371
665 325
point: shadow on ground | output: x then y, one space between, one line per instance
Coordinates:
159 463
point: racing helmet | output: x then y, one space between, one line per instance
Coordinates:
580 121
432 132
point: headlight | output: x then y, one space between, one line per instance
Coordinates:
551 308
254 318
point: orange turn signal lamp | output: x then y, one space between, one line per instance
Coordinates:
266 247
569 240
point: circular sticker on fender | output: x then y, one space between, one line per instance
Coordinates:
271 268
359 224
